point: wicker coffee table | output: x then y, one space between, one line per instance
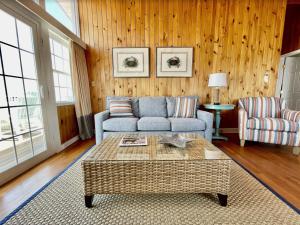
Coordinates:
199 168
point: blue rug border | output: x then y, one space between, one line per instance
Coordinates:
265 185
15 211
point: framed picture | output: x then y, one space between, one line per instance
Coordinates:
130 62
174 62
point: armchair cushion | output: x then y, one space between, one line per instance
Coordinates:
272 124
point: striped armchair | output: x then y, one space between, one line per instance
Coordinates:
265 119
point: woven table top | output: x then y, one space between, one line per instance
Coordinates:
198 149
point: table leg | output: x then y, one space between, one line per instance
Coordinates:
88 199
222 199
217 135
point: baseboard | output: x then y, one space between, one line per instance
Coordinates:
229 130
68 143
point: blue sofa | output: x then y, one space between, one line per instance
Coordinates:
152 115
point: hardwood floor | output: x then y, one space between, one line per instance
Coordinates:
276 166
21 188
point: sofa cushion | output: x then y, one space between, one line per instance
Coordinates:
120 124
153 123
186 124
171 102
134 103
274 124
152 107
120 108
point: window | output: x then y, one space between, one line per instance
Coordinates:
65 11
21 121
60 57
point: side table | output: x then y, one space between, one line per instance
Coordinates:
218 109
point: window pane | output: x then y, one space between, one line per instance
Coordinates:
63 94
56 80
35 117
5 128
1 70
57 94
8 29
3 100
57 49
66 66
19 120
32 92
38 141
63 11
25 36
7 155
62 80
68 81
53 62
11 60
28 64
66 53
70 95
15 91
59 64
23 147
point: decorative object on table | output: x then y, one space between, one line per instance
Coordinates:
185 107
266 119
175 140
133 140
174 62
218 109
120 108
130 62
217 81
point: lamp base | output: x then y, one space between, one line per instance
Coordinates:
215 96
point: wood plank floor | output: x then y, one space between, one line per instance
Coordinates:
21 188
275 166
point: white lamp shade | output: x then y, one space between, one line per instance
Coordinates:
217 80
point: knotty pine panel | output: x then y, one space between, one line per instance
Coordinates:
68 126
242 38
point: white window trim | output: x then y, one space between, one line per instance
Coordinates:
65 42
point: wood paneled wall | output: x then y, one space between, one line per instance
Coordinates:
68 126
240 37
291 34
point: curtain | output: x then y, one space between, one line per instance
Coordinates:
82 92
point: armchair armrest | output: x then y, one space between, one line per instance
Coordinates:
291 115
99 118
208 118
243 118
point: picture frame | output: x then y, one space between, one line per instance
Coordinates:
130 62
174 62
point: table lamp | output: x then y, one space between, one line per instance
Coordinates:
217 81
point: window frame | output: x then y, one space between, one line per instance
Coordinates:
58 38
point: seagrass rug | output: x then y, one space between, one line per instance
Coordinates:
61 202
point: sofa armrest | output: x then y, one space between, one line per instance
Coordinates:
208 118
243 118
99 118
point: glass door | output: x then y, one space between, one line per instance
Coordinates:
22 133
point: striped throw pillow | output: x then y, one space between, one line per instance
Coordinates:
120 108
185 107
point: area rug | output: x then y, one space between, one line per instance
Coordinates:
61 202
